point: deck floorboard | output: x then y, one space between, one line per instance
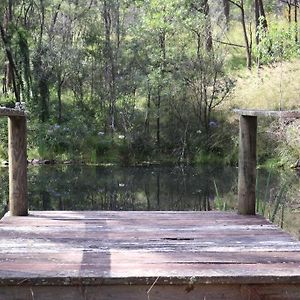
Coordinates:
137 247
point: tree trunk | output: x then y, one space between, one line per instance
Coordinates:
296 20
208 32
11 74
44 98
198 46
158 104
147 116
109 63
260 19
289 12
226 6
11 70
42 24
264 22
162 45
257 27
60 82
247 42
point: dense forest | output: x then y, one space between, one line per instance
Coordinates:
128 81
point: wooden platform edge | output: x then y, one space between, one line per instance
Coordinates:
11 112
268 113
154 292
169 280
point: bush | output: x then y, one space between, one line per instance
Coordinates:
277 44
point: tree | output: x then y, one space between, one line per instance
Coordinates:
10 81
247 38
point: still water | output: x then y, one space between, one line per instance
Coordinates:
64 187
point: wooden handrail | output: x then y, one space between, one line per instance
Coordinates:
11 112
268 113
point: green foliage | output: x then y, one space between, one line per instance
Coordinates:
20 40
129 81
3 139
288 144
220 203
278 43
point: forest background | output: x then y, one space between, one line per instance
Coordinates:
149 81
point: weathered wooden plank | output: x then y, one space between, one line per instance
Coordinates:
165 217
141 273
268 113
153 222
189 291
11 112
153 242
151 257
79 215
116 292
125 248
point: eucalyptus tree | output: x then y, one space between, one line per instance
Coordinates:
158 32
12 80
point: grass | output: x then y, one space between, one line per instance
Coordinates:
220 203
272 209
271 87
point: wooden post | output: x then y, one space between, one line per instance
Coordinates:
17 152
247 165
247 157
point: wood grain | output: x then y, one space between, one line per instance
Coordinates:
247 165
17 153
11 112
137 247
268 113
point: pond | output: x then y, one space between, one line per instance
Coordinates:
63 187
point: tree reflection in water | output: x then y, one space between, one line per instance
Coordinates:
140 188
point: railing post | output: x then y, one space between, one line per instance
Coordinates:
247 165
17 152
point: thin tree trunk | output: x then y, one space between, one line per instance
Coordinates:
158 104
247 43
226 6
262 14
147 116
296 20
257 22
60 82
162 45
260 19
198 46
289 12
110 64
42 24
11 67
208 32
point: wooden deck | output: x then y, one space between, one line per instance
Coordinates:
146 255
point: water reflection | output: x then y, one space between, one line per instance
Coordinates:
152 188
112 188
100 188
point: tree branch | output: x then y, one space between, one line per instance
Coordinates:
236 4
